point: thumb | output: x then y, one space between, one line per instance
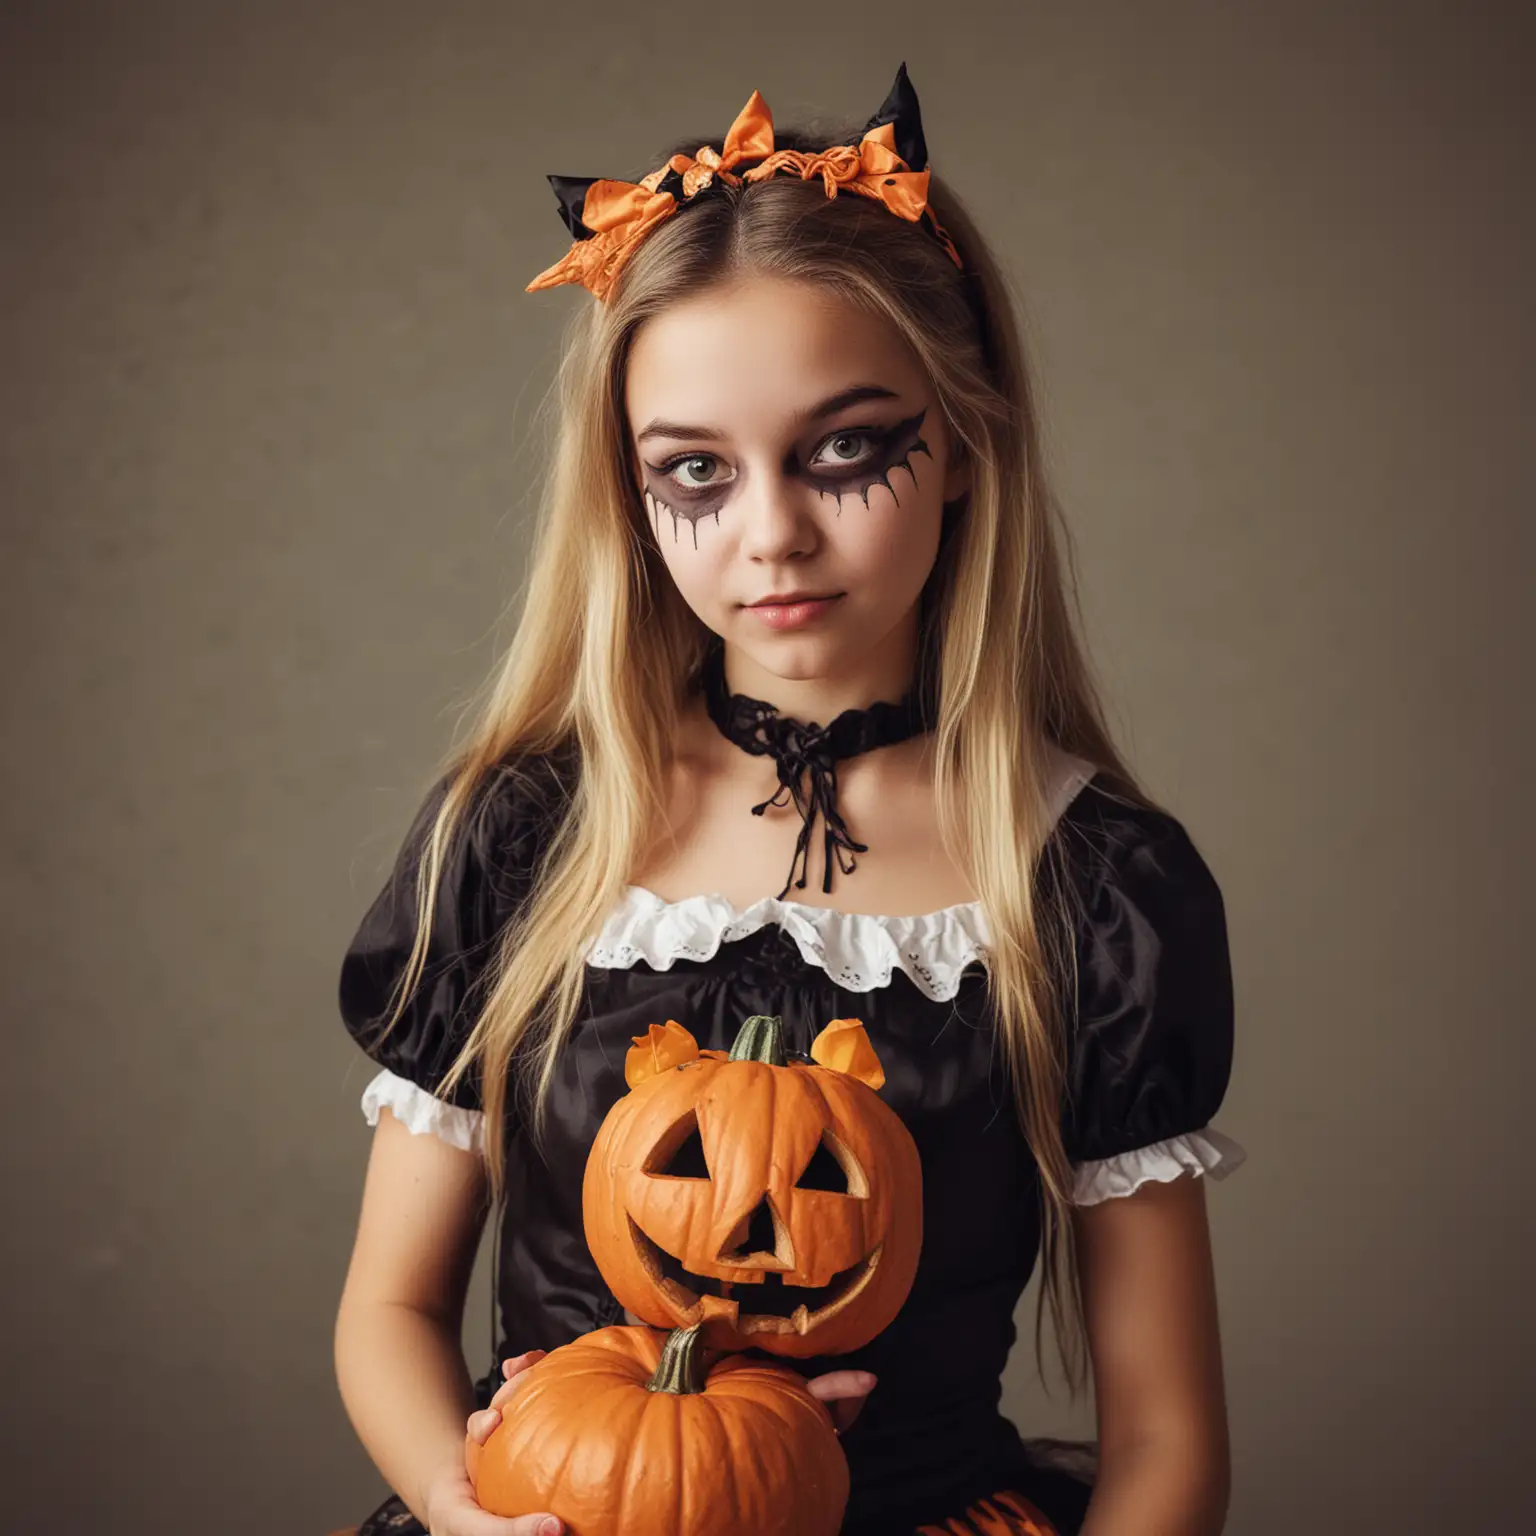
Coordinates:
836 1385
843 1392
496 1525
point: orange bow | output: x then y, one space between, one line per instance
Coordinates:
620 214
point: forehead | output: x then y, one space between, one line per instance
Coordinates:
758 350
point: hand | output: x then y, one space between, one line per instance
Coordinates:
843 1392
451 1506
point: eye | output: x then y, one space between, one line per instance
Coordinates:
824 1171
680 1153
853 435
689 463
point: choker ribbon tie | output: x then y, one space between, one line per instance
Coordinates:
811 751
805 750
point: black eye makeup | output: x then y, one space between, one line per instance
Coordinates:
851 460
894 447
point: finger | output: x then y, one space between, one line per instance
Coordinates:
480 1424
843 1392
836 1385
479 1522
505 1392
513 1371
520 1362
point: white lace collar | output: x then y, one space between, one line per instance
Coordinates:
858 950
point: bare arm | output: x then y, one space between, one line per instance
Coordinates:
1150 1308
399 1363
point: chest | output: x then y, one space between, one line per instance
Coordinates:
919 987
919 990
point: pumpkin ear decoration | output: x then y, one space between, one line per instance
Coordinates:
659 1049
844 1047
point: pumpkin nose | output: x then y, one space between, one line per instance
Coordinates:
756 1237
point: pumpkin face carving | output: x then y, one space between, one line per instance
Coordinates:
777 1202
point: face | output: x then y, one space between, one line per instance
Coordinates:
787 442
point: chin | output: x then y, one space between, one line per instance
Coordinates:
798 658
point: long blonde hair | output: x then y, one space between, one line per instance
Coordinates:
605 645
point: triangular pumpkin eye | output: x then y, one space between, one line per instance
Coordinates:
680 1153
824 1171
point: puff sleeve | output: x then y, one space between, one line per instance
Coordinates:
484 873
1151 1037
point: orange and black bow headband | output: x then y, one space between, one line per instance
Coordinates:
610 218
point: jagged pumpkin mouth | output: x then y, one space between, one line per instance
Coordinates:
769 1305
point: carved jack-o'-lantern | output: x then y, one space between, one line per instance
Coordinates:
778 1202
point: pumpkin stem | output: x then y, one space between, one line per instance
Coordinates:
761 1039
682 1368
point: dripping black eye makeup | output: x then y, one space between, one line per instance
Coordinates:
893 449
849 461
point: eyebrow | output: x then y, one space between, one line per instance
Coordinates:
854 395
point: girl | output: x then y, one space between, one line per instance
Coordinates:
797 479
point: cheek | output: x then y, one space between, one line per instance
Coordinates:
697 573
890 545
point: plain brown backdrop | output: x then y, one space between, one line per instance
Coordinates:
267 454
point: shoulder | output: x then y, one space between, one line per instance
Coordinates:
512 810
485 864
536 779
1150 1015
520 801
485 872
1106 840
1146 908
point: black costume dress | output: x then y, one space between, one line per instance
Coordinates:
1151 1037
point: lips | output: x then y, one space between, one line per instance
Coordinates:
790 600
767 1306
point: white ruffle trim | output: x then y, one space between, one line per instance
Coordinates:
420 1112
858 950
1196 1152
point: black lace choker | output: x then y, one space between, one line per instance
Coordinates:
799 749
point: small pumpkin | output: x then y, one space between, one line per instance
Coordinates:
630 1432
777 1202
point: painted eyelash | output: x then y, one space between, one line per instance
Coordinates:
693 517
912 425
883 478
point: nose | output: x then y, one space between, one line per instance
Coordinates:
755 1237
776 518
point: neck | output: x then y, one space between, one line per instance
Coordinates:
884 674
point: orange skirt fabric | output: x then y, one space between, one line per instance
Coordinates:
1004 1514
